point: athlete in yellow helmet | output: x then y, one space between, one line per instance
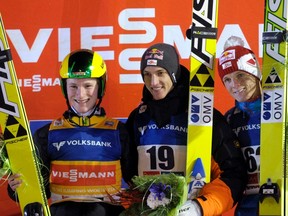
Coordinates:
84 153
83 64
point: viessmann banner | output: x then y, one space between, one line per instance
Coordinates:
41 33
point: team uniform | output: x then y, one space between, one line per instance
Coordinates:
84 155
158 130
84 163
240 73
244 120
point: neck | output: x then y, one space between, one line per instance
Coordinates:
88 113
250 107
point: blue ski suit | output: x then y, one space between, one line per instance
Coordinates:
244 120
83 162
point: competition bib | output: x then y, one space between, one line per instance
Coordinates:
161 159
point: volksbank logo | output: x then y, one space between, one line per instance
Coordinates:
201 109
142 130
246 128
171 127
58 145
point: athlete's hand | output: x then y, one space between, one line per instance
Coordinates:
14 181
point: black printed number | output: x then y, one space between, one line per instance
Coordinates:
164 157
250 154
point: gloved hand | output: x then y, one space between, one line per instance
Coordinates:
190 208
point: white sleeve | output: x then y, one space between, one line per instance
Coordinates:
190 208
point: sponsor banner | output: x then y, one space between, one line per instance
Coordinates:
85 178
41 33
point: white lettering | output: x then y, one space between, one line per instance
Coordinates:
73 175
25 53
173 35
125 23
64 42
137 28
89 142
89 42
37 82
166 127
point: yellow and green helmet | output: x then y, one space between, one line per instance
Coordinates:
83 63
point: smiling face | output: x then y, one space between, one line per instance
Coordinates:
242 86
82 94
157 81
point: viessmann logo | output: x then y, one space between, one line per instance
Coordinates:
37 82
74 175
87 173
58 145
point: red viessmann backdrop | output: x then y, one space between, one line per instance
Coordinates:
42 32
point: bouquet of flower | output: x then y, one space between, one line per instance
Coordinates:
159 195
4 162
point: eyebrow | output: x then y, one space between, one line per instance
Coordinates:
159 70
